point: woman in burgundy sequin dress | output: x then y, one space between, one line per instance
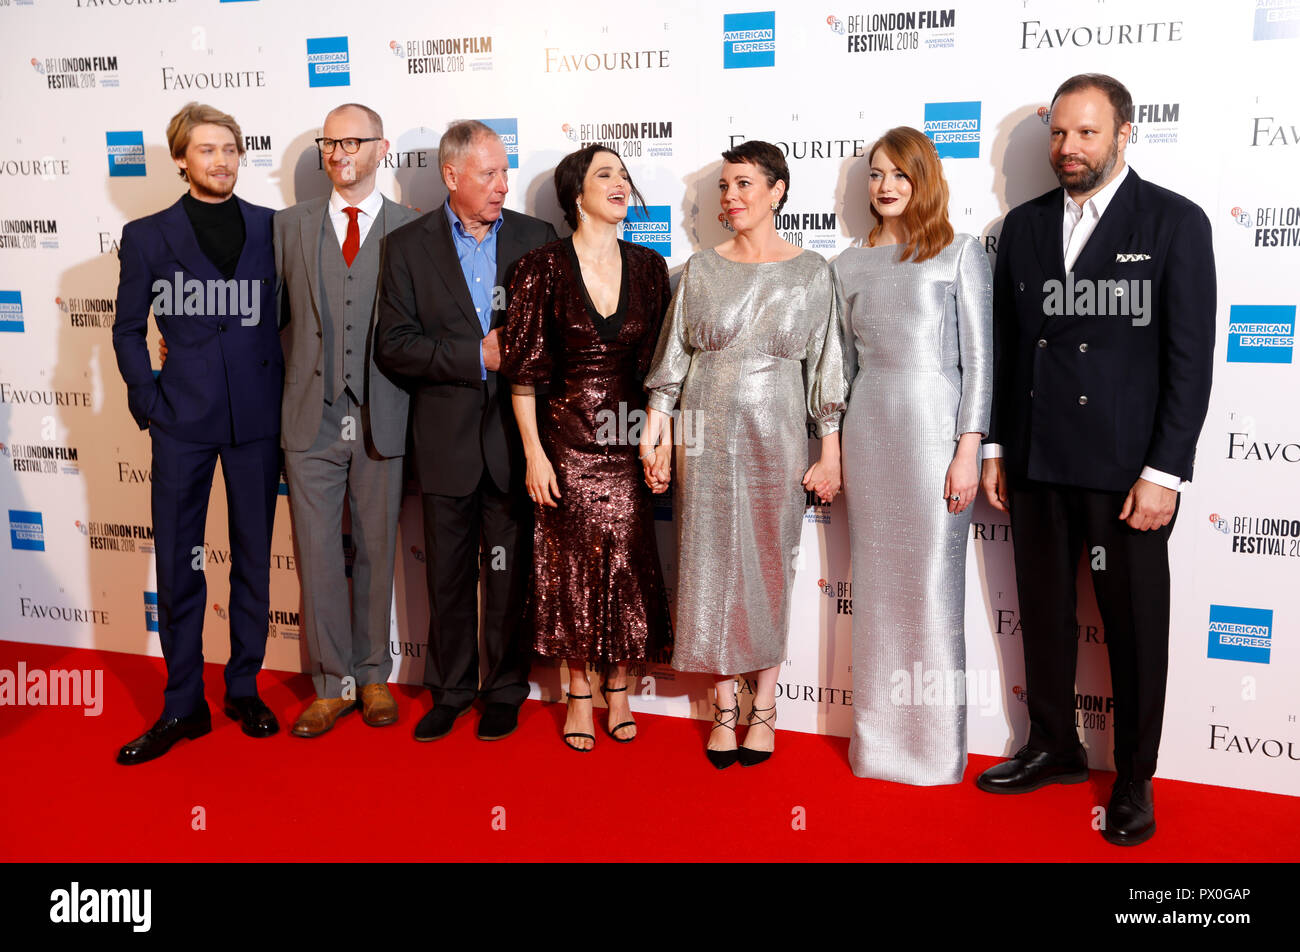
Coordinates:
585 314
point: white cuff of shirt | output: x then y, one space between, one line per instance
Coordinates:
1167 480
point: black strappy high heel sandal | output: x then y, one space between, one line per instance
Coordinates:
724 758
605 692
591 737
748 756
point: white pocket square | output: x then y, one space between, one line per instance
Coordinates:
1119 256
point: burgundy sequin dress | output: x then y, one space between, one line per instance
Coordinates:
597 590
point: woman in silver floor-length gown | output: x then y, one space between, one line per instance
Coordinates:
751 347
754 351
918 348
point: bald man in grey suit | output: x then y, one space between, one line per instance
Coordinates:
343 424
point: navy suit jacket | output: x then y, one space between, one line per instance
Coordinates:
224 370
1088 400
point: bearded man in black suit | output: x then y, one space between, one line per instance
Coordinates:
1104 312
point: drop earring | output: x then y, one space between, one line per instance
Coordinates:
722 220
582 216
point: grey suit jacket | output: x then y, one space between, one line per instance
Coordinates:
297 235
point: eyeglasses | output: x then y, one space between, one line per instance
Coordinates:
350 146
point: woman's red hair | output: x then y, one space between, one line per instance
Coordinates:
926 216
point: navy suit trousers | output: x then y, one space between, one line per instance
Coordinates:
182 484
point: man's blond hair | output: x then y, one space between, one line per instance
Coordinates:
194 114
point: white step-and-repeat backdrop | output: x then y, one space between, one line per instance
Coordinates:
90 84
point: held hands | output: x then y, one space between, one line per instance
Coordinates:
657 461
491 350
1148 506
540 480
823 477
994 481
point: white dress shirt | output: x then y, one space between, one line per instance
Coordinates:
1077 226
370 207
1080 221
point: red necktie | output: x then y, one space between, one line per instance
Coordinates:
352 242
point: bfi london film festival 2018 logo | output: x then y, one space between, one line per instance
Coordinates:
436 55
635 138
1274 226
1255 535
896 30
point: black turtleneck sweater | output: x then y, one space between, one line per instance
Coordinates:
219 227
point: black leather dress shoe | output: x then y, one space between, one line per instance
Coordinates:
499 720
1131 813
255 718
438 722
159 739
1030 769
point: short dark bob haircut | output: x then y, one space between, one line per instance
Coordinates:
767 158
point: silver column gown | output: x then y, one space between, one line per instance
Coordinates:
918 347
753 351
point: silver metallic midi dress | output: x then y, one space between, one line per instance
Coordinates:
918 347
753 351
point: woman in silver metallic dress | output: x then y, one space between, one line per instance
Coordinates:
751 346
917 308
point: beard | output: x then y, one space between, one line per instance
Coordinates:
213 188
1090 176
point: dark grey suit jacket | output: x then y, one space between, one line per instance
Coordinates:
430 336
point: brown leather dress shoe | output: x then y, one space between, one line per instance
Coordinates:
378 706
321 715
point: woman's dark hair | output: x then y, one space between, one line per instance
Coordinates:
572 172
768 158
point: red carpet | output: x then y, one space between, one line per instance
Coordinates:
360 793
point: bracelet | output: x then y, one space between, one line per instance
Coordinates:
645 456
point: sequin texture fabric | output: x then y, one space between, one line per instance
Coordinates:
597 590
752 351
918 347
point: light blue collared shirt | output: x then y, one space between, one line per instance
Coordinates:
478 262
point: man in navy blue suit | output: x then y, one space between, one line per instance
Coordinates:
1104 309
205 267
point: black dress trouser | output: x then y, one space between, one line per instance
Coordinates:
456 530
1051 524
